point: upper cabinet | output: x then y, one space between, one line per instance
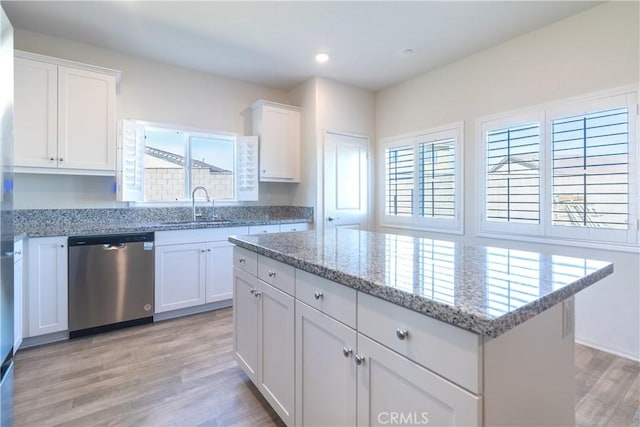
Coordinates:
65 118
278 127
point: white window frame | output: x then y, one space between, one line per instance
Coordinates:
624 240
135 194
415 221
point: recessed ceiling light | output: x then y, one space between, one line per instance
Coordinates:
407 51
322 57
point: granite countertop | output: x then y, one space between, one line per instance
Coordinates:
485 290
89 228
78 222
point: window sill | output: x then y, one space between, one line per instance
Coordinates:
617 247
419 228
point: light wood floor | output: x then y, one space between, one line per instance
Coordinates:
182 373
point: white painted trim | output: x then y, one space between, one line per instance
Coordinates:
67 63
263 102
414 222
608 350
617 247
159 317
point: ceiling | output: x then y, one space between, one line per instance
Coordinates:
274 43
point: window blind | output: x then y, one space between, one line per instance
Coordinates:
437 178
513 174
591 169
399 166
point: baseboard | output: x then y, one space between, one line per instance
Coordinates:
44 339
635 358
192 310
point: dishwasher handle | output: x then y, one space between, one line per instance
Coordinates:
111 247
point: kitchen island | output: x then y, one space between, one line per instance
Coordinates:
349 327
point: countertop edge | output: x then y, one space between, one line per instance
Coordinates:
470 322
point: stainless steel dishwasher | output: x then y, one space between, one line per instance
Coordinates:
110 282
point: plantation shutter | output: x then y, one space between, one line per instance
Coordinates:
437 178
590 154
247 168
130 176
399 182
513 174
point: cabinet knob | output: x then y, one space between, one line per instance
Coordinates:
62 246
346 351
402 333
317 295
252 291
52 158
241 259
257 293
359 359
203 250
208 250
60 159
272 273
18 253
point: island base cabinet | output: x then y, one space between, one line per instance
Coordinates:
393 390
245 323
276 349
263 340
325 370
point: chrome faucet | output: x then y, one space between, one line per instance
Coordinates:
193 200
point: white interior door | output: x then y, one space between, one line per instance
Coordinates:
345 181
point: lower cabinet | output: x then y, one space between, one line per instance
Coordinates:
191 271
264 340
180 276
394 390
46 291
325 370
18 312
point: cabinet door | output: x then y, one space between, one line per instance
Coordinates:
276 350
18 264
394 390
280 145
86 120
219 271
36 117
325 370
245 322
47 285
179 276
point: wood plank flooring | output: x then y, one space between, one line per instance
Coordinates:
182 373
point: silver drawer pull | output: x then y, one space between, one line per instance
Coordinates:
359 359
272 273
241 259
402 333
317 295
346 351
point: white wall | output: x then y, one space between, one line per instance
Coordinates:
594 50
149 91
328 106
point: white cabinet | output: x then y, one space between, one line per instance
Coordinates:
46 285
264 338
64 117
264 229
298 226
219 271
278 127
193 267
391 386
18 312
325 370
179 276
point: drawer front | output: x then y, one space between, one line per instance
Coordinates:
276 274
264 229
294 227
447 350
333 299
245 260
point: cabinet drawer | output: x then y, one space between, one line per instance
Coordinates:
264 229
276 274
447 350
245 260
331 298
197 235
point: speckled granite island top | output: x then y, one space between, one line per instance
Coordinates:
485 290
